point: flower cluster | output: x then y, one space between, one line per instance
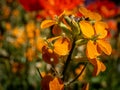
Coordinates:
106 8
58 44
71 32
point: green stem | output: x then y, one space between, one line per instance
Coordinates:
68 60
78 75
53 68
39 72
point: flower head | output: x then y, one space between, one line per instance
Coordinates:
95 35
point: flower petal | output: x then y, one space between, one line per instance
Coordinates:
53 38
45 82
100 29
98 66
89 14
104 46
103 67
56 30
86 86
62 46
91 50
49 56
83 11
47 23
40 43
55 84
94 16
86 29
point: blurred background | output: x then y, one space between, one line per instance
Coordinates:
20 41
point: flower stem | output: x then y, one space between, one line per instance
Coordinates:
39 72
68 60
78 75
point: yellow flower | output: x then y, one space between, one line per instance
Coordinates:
96 34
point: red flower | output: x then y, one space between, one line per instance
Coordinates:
50 7
55 7
31 5
105 7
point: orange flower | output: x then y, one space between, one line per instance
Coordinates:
19 37
47 23
55 84
106 8
98 66
62 46
40 43
45 82
8 26
86 86
30 54
17 67
30 30
51 51
96 34
89 14
50 83
91 50
16 32
49 56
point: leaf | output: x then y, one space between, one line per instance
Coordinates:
47 23
62 46
55 84
87 29
91 50
100 29
104 46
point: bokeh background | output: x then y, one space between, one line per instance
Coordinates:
20 37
